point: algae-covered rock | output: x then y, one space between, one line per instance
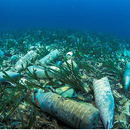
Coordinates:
119 99
120 121
65 91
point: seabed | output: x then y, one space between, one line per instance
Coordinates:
96 54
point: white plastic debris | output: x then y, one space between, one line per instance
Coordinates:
76 114
25 61
11 74
69 55
50 57
126 77
40 72
104 101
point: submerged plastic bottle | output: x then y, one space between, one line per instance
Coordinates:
104 101
25 61
76 114
50 57
126 77
13 75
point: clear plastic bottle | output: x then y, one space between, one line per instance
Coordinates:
76 114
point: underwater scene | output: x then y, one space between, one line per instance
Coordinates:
64 64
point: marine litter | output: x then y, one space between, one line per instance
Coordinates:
63 79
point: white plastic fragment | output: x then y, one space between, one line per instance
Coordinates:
69 55
50 57
26 60
104 101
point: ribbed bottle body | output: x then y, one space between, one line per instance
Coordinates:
104 101
76 114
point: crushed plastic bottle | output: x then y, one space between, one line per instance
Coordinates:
50 57
25 61
76 114
104 101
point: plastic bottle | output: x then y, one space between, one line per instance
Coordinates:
126 77
25 61
104 101
76 114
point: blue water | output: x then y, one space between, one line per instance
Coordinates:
109 16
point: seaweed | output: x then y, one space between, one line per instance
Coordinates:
12 97
67 74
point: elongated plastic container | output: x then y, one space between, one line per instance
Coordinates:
25 61
40 72
50 57
76 114
13 75
104 101
126 77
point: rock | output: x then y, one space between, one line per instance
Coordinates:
65 91
124 109
119 99
120 121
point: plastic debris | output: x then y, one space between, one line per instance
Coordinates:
126 52
69 55
14 58
40 72
50 57
25 61
11 74
1 53
59 63
126 77
70 62
76 114
104 101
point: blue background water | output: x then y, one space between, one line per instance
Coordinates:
110 16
